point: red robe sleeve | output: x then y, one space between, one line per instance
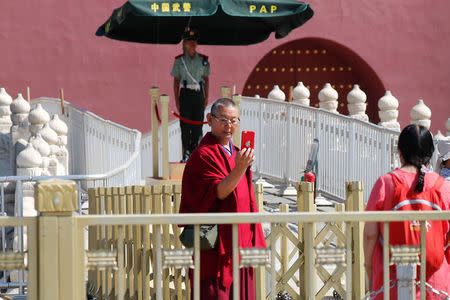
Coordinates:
203 172
206 167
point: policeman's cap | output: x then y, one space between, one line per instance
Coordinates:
190 35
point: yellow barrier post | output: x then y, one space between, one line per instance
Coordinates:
340 207
355 202
164 99
123 231
137 241
116 211
93 236
61 242
260 272
178 278
237 134
284 208
156 191
146 209
131 290
167 209
225 91
109 242
154 92
309 232
301 248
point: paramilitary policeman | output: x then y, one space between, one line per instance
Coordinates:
190 83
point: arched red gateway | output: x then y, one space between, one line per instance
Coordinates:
316 61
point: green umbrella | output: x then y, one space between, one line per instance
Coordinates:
220 22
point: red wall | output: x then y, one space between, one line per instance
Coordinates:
48 44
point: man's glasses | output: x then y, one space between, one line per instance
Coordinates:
225 121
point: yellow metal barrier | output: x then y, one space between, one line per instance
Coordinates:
297 272
134 251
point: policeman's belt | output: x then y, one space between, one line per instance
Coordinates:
194 87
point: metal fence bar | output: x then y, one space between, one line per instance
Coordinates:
386 260
120 262
423 257
196 262
235 261
349 256
273 250
158 263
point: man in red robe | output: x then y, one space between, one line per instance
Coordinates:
217 178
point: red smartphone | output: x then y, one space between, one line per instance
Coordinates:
248 139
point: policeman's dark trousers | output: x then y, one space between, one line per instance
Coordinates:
192 107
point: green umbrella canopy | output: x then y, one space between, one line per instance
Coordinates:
220 22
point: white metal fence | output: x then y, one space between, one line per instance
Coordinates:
98 146
349 149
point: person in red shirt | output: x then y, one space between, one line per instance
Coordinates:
415 147
217 178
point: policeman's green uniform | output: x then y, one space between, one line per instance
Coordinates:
192 97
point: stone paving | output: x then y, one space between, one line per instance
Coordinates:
273 199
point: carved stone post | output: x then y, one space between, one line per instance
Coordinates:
328 97
301 94
62 156
154 92
276 94
20 108
51 137
61 242
38 117
388 111
356 99
421 114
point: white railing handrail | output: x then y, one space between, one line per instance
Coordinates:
311 108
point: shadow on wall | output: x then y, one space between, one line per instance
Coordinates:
316 61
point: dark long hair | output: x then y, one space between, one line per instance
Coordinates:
416 145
